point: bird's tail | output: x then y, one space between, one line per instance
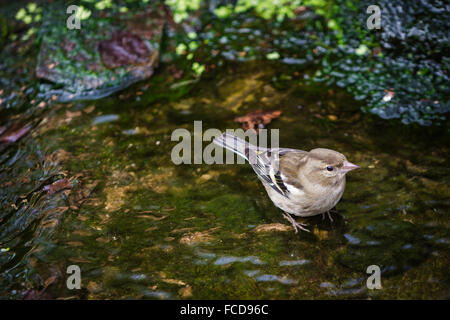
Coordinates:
237 145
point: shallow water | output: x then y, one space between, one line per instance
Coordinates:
139 226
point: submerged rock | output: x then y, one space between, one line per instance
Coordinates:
99 58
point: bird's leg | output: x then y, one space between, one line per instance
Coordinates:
295 224
329 215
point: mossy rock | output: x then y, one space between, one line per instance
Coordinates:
234 211
109 52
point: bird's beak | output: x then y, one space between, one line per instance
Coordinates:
348 166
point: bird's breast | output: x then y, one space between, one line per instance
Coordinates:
309 201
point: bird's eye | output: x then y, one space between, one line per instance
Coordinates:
330 168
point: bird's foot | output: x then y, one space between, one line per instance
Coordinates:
295 224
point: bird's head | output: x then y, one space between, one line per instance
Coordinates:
328 166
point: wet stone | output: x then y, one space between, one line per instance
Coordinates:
107 57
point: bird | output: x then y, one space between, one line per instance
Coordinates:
300 183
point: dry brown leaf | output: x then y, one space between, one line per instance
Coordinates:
257 119
49 224
124 48
75 243
102 240
332 117
196 237
149 216
272 227
185 292
181 230
89 109
49 281
70 115
61 184
174 281
82 233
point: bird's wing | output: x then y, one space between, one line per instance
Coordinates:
267 167
290 165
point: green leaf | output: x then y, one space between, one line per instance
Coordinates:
273 56
21 14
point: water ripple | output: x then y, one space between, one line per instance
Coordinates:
230 259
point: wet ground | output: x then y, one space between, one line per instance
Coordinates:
92 184
141 227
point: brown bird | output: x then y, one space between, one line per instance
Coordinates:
298 182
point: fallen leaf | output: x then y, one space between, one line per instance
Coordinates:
332 117
257 119
70 115
147 211
174 281
102 240
185 292
88 188
75 243
144 216
82 233
13 134
60 155
272 227
124 48
50 223
181 230
89 109
57 186
171 281
49 281
196 237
